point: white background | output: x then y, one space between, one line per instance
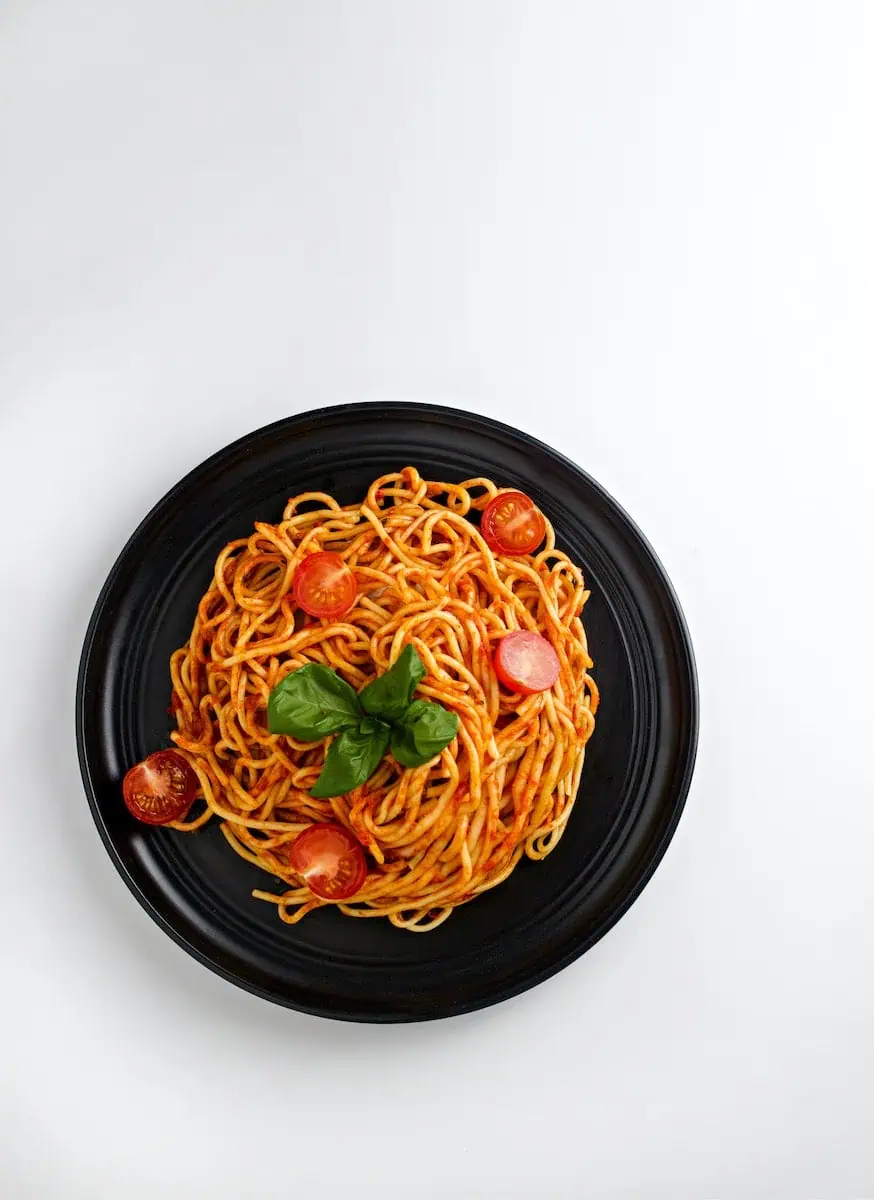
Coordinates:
641 231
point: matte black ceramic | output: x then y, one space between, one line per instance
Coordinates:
638 763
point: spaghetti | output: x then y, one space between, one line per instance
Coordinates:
436 835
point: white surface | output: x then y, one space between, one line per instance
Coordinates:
640 231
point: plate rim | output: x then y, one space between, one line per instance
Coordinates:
687 660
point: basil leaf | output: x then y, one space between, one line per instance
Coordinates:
422 732
352 758
312 702
389 696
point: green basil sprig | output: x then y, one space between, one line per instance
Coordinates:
314 701
311 703
423 731
390 695
352 757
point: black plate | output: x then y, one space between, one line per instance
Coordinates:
638 764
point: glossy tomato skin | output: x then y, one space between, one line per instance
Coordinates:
330 860
159 789
512 524
324 585
526 663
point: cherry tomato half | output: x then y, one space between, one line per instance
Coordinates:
330 860
526 663
160 789
324 586
512 524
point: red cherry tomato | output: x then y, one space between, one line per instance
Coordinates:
526 663
324 586
160 789
512 524
330 860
